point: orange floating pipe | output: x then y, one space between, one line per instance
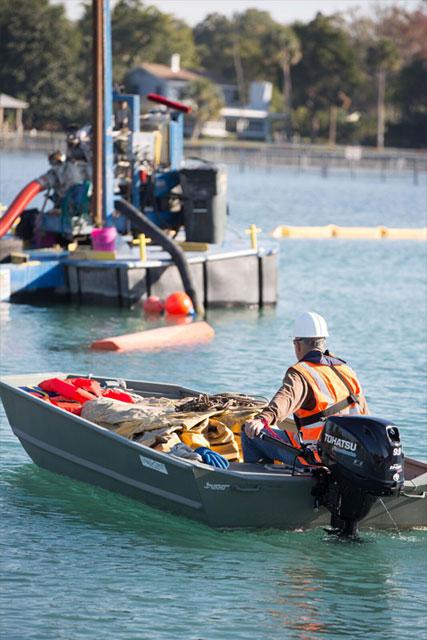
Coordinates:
23 198
161 338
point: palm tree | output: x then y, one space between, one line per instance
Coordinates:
288 54
238 68
383 57
206 101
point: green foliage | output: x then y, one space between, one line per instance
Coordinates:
327 68
410 95
205 100
411 88
215 44
238 50
276 105
351 61
252 29
139 34
281 47
383 55
143 34
283 50
39 50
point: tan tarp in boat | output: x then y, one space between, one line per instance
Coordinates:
156 423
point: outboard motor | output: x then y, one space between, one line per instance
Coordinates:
364 461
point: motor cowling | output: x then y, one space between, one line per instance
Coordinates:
364 461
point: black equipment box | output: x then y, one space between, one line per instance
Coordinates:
204 188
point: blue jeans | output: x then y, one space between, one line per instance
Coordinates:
255 449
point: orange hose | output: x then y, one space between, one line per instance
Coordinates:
23 198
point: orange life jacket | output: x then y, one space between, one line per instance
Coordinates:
72 393
67 390
336 391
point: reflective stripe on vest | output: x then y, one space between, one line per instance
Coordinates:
328 389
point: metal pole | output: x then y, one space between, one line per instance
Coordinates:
380 108
333 116
97 110
415 172
108 154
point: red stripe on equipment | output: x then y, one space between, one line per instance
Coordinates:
172 104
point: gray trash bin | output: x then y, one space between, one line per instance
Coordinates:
204 187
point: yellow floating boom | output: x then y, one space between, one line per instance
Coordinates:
354 233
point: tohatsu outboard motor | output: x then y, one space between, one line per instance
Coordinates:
364 460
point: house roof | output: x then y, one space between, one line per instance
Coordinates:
7 102
165 72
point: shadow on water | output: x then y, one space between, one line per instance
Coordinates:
46 495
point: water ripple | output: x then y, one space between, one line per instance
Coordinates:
79 562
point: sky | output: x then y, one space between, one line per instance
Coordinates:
284 11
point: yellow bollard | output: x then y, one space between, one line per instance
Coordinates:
253 232
142 242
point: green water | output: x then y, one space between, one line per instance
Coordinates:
79 562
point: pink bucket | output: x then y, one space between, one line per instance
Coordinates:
104 239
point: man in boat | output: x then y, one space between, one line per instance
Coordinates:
317 386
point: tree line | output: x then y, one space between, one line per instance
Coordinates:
346 78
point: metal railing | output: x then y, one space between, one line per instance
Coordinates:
300 157
304 158
44 141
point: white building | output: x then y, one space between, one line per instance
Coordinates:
250 122
8 104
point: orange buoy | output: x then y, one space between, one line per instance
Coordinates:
179 304
153 304
163 337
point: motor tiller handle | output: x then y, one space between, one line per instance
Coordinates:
303 452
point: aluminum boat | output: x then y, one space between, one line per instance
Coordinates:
243 496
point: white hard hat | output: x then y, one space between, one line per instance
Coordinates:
310 325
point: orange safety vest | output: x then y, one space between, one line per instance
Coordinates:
336 391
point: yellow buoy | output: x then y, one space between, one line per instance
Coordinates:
351 233
407 234
358 233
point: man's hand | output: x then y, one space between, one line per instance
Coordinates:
253 427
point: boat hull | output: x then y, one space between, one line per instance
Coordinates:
248 496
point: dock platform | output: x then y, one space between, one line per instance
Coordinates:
226 275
